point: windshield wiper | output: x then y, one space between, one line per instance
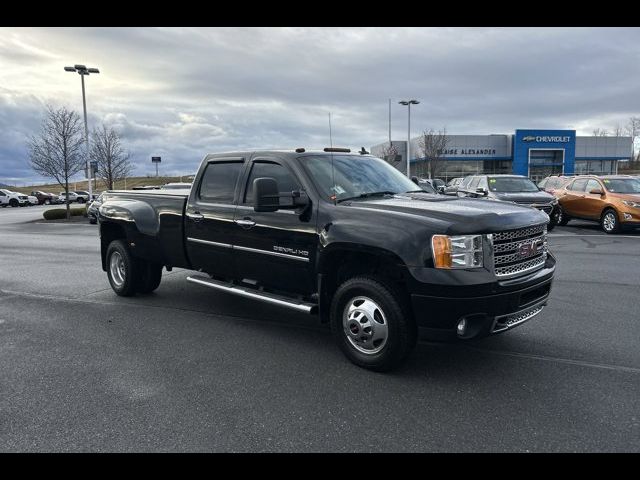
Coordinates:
366 195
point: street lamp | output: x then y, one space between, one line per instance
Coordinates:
408 103
82 70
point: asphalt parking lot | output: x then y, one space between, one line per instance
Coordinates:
189 369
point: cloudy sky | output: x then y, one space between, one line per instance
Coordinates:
183 92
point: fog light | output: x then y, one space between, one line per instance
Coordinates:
627 216
462 327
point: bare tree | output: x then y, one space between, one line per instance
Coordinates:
633 129
389 154
432 145
58 152
112 160
618 130
600 132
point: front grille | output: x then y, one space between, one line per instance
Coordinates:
516 252
545 207
509 321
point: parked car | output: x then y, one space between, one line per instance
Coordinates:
33 200
611 200
147 187
452 186
511 188
13 199
43 197
55 199
554 183
72 197
176 186
82 196
343 235
437 184
92 209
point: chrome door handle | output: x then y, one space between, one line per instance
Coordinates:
196 216
245 222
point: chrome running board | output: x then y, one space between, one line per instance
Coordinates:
255 294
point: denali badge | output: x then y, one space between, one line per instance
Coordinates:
530 249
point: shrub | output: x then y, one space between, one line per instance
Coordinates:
60 213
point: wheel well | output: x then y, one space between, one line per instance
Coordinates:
344 264
108 233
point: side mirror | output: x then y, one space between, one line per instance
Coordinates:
482 191
441 189
266 197
596 191
414 179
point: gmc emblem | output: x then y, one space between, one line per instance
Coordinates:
529 249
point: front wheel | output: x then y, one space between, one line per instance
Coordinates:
371 325
122 269
609 221
47 202
562 217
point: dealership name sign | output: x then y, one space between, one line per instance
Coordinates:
547 138
467 151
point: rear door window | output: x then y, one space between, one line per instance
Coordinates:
219 180
473 184
579 185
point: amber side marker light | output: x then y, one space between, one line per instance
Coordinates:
441 246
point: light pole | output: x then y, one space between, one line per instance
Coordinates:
82 71
408 103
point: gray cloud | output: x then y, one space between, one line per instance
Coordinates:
181 93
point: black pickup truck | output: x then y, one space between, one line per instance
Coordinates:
345 236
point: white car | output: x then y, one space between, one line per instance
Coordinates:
32 200
13 199
83 197
72 197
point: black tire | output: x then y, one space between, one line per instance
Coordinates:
401 332
563 218
150 276
609 221
47 202
14 203
80 200
125 286
93 220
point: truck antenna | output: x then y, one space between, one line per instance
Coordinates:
334 195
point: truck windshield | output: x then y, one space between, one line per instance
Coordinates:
356 176
511 185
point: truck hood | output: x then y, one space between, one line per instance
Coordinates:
455 215
524 197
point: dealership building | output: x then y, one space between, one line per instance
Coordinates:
535 153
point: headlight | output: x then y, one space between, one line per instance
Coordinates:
629 203
460 251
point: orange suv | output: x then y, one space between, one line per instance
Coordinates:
612 200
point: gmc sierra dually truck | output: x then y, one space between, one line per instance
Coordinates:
345 236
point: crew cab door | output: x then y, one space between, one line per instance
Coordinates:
209 227
275 249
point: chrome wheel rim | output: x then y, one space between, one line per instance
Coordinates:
116 267
365 325
609 221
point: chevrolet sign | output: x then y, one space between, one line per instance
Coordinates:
547 138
